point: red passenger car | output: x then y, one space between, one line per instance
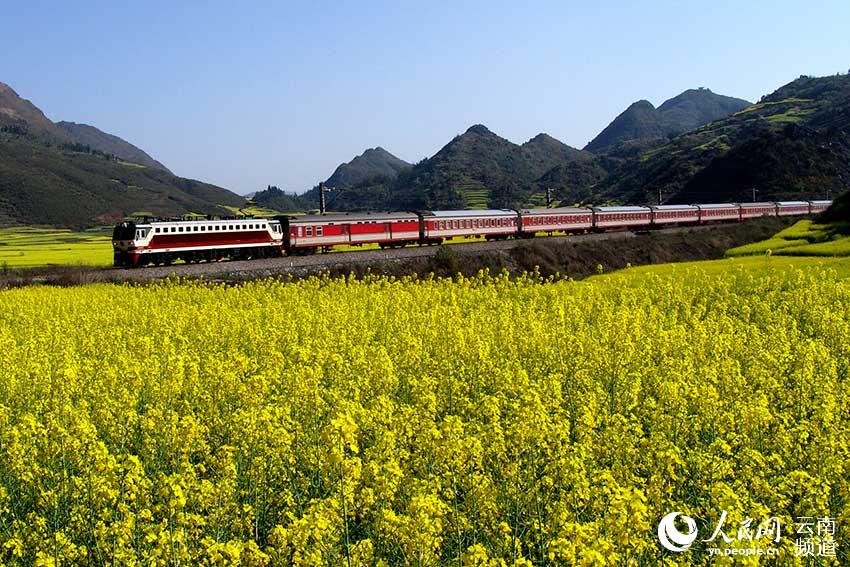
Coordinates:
756 210
719 212
621 217
819 206
792 208
561 219
674 214
492 224
306 234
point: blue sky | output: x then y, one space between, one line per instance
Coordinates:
255 93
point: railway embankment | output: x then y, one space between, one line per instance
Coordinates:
574 256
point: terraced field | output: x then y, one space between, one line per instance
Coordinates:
805 238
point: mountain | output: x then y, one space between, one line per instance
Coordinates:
371 163
278 200
543 152
719 158
109 144
481 169
21 116
642 124
49 176
40 184
794 162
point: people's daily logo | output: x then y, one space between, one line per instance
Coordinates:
670 536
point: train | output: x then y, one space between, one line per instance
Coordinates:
164 241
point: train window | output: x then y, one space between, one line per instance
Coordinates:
318 231
195 228
179 229
309 231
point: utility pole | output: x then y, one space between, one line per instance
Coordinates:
321 197
660 200
548 197
754 194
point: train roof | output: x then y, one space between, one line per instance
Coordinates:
623 209
674 207
791 203
207 221
756 204
716 205
821 202
555 211
471 213
354 217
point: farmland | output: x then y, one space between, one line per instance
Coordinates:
485 421
22 247
804 238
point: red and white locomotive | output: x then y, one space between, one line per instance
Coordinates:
163 242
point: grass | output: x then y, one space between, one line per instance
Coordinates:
837 247
24 247
252 211
753 265
761 105
804 238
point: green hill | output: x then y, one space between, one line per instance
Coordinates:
730 152
278 200
109 144
479 168
19 115
642 124
371 163
793 162
70 174
41 184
